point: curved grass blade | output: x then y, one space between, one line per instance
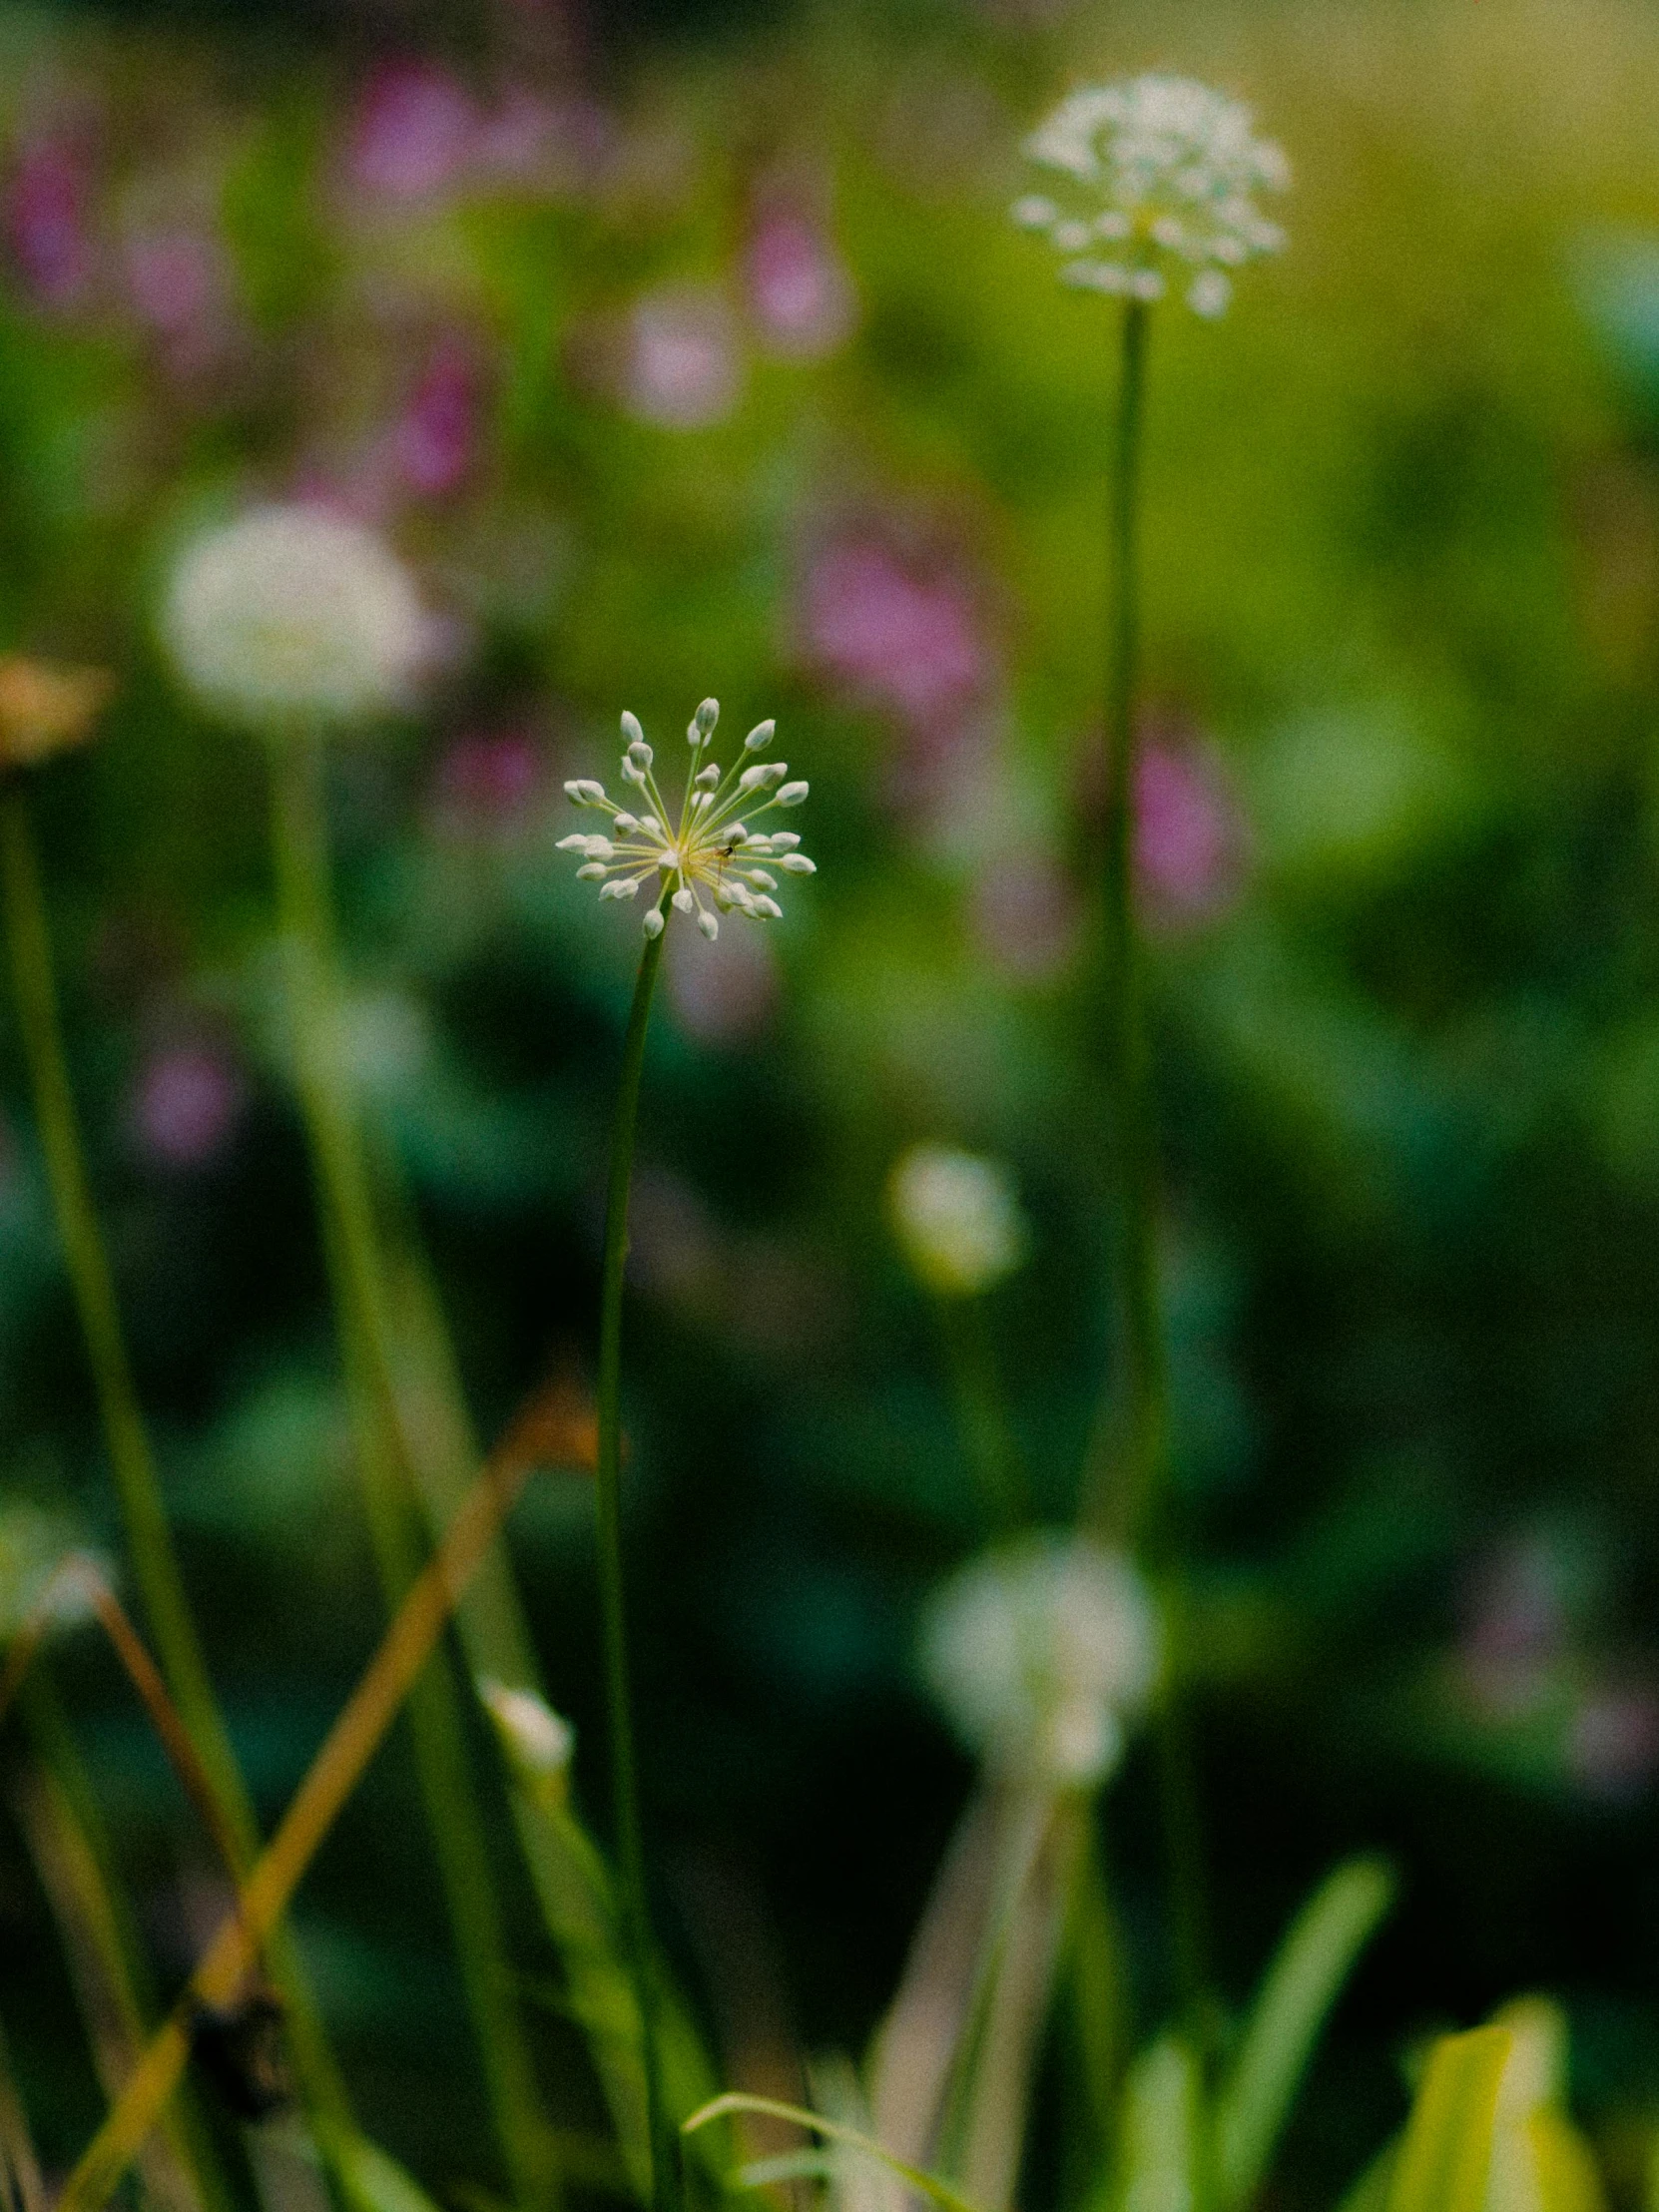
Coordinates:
1445 2159
1298 1990
333 1775
925 2184
576 1891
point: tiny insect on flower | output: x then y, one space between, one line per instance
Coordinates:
691 860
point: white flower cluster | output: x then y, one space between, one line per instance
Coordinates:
1159 182
293 617
1039 1651
957 1219
710 849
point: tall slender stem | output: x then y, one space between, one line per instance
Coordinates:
1140 1511
351 1243
636 1918
1128 1070
987 1434
137 1487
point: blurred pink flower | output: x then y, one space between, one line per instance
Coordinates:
726 992
683 369
891 635
1024 915
435 437
47 220
489 782
798 287
186 1105
413 132
1189 836
179 284
1613 1742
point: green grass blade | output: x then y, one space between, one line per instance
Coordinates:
576 1893
925 2184
1158 2144
1445 2159
375 2180
1297 1993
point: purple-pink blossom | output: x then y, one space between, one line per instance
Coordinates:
489 780
799 289
1189 836
415 130
47 220
893 635
434 438
186 1103
683 369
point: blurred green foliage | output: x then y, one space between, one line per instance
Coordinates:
1403 631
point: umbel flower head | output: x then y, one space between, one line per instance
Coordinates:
957 1218
1039 1651
1152 187
293 617
708 851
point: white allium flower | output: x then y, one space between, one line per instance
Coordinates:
957 1219
1153 188
293 616
539 1740
708 848
1039 1652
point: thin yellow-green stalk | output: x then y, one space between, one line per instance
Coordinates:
351 1244
144 1516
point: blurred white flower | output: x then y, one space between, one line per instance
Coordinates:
957 1219
293 616
1153 185
710 848
1039 1652
538 1740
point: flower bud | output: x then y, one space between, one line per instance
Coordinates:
957 1219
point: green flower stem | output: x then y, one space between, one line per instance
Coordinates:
1128 1068
983 1413
1140 1511
351 1245
149 1537
636 1920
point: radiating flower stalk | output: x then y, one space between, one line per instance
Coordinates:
1150 184
703 865
46 711
295 623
